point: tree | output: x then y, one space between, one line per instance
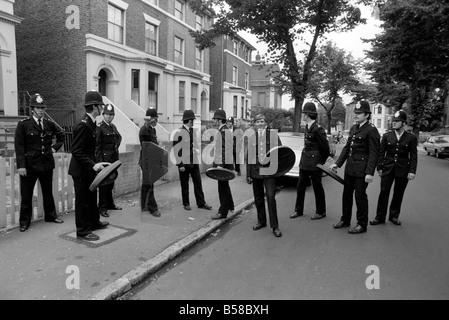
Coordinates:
334 72
412 54
281 24
338 115
276 118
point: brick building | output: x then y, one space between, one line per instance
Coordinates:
266 91
231 76
137 53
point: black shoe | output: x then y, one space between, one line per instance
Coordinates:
114 207
206 207
188 208
318 216
375 222
104 213
218 216
89 237
101 225
55 220
341 225
259 226
157 214
23 228
277 233
395 221
357 229
296 214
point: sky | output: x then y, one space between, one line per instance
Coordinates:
349 41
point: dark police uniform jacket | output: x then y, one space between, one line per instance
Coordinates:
400 157
147 135
253 170
316 148
227 146
33 145
83 148
361 151
108 142
188 142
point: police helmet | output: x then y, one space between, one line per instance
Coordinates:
93 98
309 107
220 114
188 115
109 109
400 116
37 101
362 107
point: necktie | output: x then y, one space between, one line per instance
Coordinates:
39 121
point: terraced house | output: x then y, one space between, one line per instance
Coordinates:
137 53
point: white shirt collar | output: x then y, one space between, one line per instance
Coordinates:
399 135
91 116
37 119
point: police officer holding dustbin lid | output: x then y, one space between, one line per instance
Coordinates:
34 148
188 162
108 143
398 160
83 168
315 151
231 126
224 190
148 134
361 154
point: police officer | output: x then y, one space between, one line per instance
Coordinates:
397 164
316 151
34 154
148 134
361 153
230 124
262 144
83 169
224 191
188 162
108 142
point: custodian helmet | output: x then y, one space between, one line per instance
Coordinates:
93 98
37 101
188 115
362 107
400 116
109 109
151 113
220 114
309 107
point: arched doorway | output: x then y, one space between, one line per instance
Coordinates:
103 82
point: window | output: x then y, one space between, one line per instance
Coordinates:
194 97
261 99
247 81
246 53
234 75
199 23
198 59
135 86
235 48
379 110
116 23
179 50
179 10
243 103
379 123
182 96
150 39
153 83
235 106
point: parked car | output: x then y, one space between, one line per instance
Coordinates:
437 146
296 143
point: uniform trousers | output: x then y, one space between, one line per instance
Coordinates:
225 196
26 192
194 172
355 186
386 182
318 190
259 200
147 200
105 198
87 215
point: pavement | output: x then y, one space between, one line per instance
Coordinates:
48 262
